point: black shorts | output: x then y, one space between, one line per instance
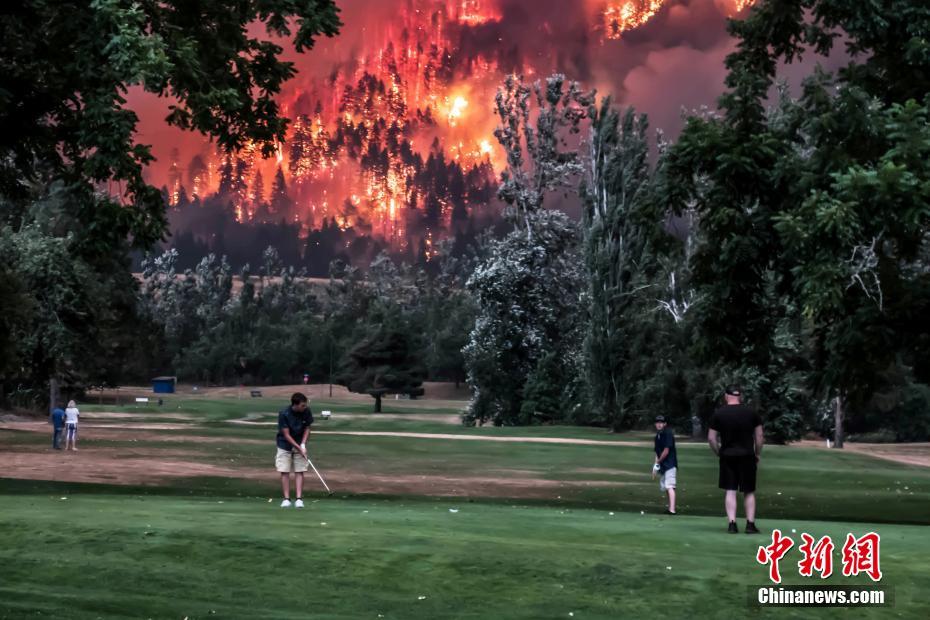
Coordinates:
738 473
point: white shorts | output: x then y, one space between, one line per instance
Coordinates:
287 461
668 479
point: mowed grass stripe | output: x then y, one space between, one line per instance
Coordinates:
168 557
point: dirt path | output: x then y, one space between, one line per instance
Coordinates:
153 466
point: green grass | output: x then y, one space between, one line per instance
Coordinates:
99 555
189 546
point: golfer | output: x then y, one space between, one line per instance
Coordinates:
666 464
58 426
71 424
735 436
293 430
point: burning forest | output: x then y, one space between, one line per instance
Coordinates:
395 141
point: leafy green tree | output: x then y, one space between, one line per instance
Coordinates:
819 202
527 292
623 236
528 287
543 393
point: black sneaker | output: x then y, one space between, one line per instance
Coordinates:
669 512
751 527
732 529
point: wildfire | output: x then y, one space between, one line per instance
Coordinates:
476 12
397 140
740 5
620 17
458 108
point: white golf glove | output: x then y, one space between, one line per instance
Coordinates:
655 468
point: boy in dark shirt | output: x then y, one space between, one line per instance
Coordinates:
735 436
666 464
293 430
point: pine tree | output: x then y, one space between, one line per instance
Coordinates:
257 191
280 200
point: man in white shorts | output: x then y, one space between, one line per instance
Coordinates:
666 464
293 431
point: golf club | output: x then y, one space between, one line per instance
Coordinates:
317 472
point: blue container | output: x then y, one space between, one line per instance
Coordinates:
163 385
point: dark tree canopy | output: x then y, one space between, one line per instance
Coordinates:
383 363
814 211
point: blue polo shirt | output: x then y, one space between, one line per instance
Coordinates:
666 439
296 423
58 418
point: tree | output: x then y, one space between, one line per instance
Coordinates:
622 230
537 163
16 307
280 200
528 287
382 363
67 68
527 295
257 191
814 212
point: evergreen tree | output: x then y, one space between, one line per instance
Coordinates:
280 200
383 362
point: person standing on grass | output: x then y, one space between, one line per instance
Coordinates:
58 427
71 423
735 435
666 464
293 431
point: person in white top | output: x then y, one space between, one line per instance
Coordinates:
71 422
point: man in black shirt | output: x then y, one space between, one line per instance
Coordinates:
735 436
293 430
666 464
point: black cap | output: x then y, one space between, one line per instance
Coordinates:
660 418
733 390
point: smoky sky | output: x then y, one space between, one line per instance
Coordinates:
672 63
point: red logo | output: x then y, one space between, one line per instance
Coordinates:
773 553
817 557
860 555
